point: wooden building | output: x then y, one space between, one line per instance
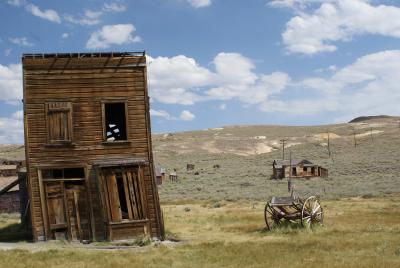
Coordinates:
297 169
160 174
9 194
88 147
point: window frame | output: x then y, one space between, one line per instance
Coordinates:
103 120
69 111
139 192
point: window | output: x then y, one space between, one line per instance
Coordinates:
59 122
114 121
123 193
63 173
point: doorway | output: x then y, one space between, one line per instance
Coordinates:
66 202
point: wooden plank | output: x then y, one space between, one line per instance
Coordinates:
115 206
62 185
137 194
132 195
127 195
43 205
142 191
104 195
78 217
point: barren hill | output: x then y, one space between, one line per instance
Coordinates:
245 155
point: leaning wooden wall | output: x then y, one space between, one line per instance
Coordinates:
85 82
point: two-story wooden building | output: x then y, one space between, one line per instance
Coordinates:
88 147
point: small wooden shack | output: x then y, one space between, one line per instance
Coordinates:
88 147
9 192
297 169
160 174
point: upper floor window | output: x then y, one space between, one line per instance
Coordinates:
59 122
114 121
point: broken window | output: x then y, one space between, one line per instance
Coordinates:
64 173
123 194
115 121
59 122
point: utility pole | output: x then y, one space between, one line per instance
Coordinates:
355 138
283 142
290 173
329 144
372 137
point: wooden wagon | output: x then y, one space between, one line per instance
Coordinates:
292 209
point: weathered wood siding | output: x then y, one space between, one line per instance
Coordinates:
85 82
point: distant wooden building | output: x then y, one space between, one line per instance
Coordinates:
160 174
297 169
9 194
88 147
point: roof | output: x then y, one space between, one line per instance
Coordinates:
83 55
5 181
295 162
120 162
8 167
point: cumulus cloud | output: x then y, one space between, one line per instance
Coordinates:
367 86
16 3
11 129
89 17
11 83
315 30
21 41
108 35
114 7
186 115
93 17
199 3
48 14
233 78
160 113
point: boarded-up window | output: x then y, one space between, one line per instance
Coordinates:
59 122
123 192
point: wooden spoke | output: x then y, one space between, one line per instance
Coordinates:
271 216
312 212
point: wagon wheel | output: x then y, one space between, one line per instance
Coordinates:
271 217
312 212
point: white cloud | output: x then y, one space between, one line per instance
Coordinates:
48 14
11 83
16 3
118 34
296 4
160 113
186 115
222 107
316 30
233 77
18 115
114 7
11 129
368 86
199 3
89 17
21 41
65 35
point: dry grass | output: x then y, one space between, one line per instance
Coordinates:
357 233
370 169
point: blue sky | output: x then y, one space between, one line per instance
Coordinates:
219 62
